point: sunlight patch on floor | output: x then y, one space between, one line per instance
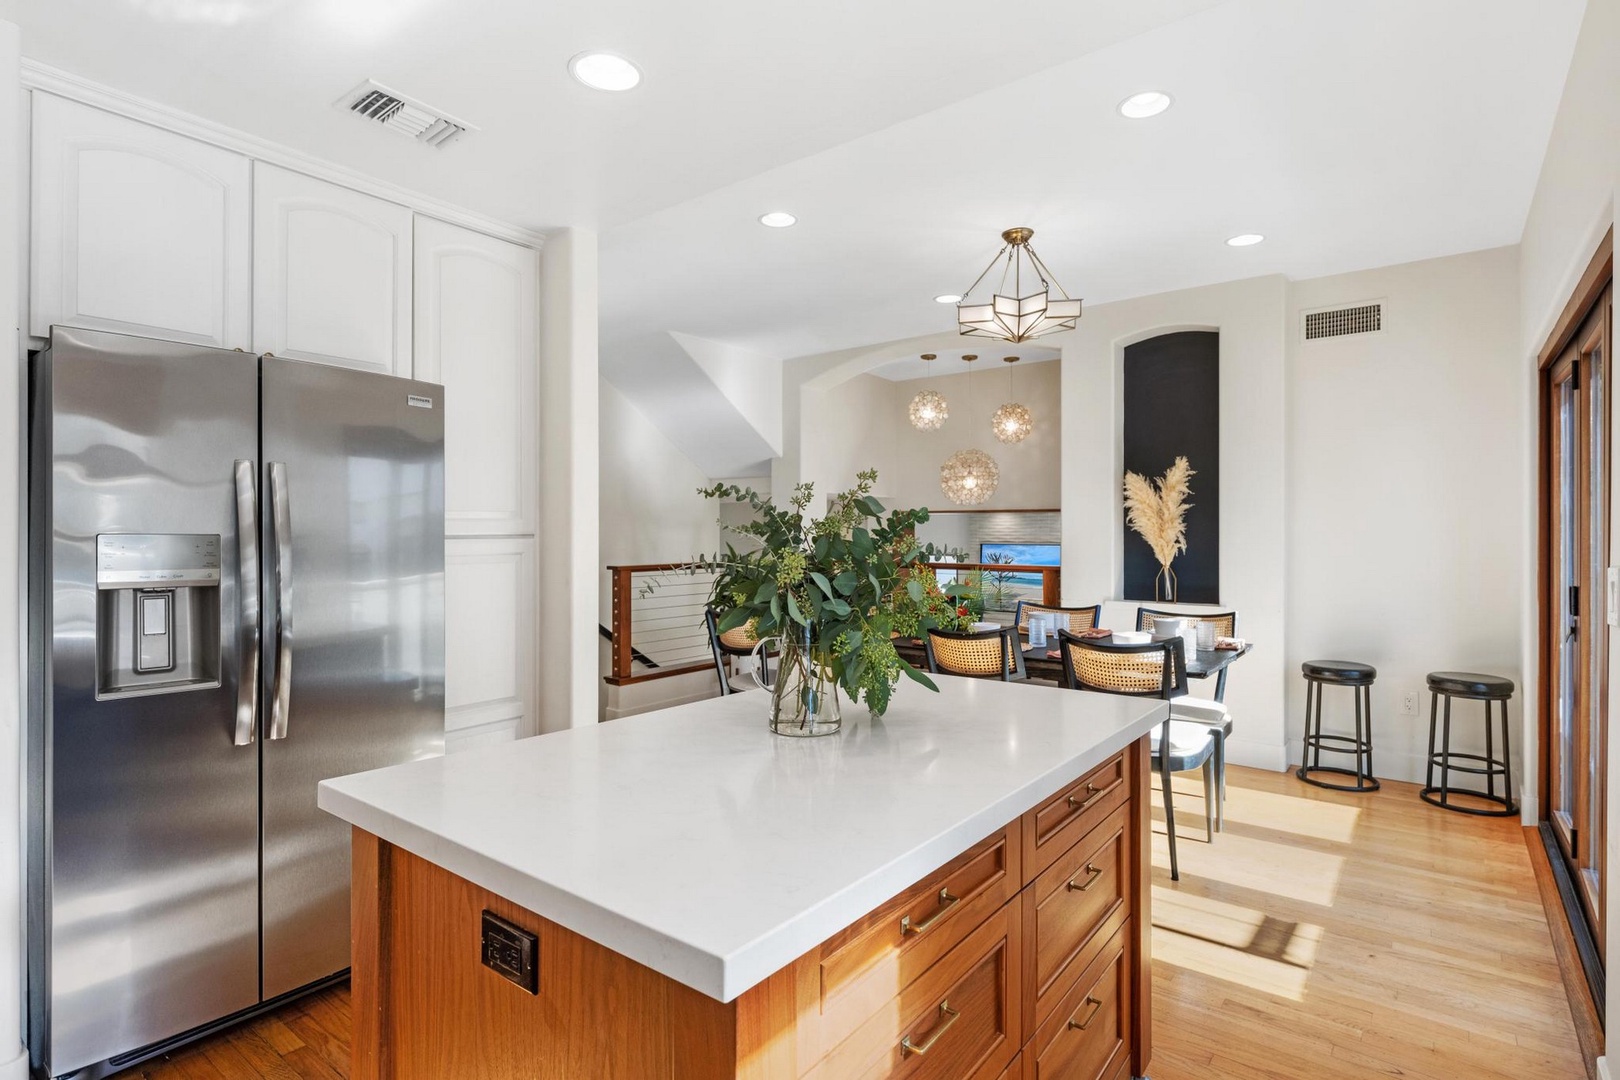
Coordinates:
1281 869
1303 817
1236 944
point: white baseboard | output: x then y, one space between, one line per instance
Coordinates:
1256 754
1603 1068
16 1068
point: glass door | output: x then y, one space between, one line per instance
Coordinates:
1577 511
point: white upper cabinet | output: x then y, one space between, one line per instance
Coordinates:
478 333
136 229
331 273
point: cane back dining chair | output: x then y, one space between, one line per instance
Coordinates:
1198 708
737 642
1152 669
1078 618
979 654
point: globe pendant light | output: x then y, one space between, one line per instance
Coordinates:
1017 316
1012 422
928 409
969 477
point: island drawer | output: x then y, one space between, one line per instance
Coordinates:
960 1020
1071 911
862 966
1015 1071
1087 1037
1052 827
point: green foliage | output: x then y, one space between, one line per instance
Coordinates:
847 580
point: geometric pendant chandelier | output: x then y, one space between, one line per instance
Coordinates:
1011 314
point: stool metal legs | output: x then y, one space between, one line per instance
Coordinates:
1489 765
1359 744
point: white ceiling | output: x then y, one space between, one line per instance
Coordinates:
1352 133
949 361
905 134
732 87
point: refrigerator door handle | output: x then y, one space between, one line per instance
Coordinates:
281 534
247 585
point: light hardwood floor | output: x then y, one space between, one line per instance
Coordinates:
1330 936
1323 936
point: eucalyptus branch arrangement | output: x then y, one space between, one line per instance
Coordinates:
844 584
1157 511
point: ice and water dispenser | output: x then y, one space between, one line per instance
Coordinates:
157 612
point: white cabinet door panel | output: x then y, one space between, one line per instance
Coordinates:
478 333
331 273
136 229
490 643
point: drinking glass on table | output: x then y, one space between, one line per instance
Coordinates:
1206 635
1037 631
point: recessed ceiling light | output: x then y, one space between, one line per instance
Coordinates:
777 219
604 71
948 298
1147 103
1248 239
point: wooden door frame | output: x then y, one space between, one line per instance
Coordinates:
1597 277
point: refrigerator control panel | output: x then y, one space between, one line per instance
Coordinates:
156 560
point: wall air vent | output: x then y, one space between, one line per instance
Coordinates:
402 115
1367 318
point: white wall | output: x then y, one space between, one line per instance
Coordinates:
650 512
569 556
1574 205
1406 501
1250 317
843 430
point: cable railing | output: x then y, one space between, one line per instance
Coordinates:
658 629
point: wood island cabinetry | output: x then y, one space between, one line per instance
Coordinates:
1026 957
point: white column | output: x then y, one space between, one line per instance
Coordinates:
570 557
13 356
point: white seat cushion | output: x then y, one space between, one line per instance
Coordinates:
1188 739
1205 710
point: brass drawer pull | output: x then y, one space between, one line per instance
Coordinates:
946 902
947 1017
1093 875
1096 1004
1093 793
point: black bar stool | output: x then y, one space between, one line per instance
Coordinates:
1470 687
1359 677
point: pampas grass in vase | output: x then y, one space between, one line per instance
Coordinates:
1157 510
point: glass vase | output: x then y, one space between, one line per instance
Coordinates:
1164 585
804 696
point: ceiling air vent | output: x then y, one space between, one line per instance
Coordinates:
402 115
1367 318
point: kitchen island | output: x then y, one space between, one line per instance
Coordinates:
957 889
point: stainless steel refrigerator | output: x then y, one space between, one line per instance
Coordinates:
237 582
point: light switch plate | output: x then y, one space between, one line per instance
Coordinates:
1613 591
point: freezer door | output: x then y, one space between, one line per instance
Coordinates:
353 672
144 810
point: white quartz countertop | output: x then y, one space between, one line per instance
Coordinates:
699 844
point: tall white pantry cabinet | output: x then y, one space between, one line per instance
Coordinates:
137 229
